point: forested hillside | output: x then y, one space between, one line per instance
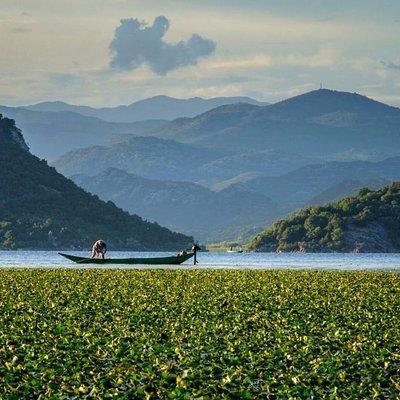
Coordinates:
39 208
368 222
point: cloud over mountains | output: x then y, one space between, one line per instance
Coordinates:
135 43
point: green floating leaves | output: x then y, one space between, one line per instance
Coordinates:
159 334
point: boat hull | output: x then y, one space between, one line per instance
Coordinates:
172 260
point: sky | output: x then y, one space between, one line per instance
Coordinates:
111 52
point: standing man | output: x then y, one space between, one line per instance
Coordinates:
99 249
195 248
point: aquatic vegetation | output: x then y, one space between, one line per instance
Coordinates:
155 334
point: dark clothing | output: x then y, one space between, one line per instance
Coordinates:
195 247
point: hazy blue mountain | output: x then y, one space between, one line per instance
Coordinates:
239 167
61 106
347 188
41 209
158 107
299 187
318 123
51 134
322 123
249 148
155 158
148 157
183 206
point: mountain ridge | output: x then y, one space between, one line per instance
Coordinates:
156 107
317 123
147 156
152 157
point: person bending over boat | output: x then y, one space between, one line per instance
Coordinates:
99 249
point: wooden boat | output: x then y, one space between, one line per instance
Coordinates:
175 260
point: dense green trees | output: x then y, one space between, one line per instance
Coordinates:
327 228
40 208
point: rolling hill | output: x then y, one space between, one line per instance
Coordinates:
41 209
148 157
367 222
183 206
162 159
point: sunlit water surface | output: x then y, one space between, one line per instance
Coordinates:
353 261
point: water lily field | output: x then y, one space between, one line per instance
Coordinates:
211 334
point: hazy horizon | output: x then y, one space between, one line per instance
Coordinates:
60 100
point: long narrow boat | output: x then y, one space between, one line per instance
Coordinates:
144 261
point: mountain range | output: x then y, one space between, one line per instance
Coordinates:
319 123
284 153
308 129
54 128
41 209
157 107
280 151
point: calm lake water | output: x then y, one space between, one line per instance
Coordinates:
50 259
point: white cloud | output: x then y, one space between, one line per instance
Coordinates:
258 51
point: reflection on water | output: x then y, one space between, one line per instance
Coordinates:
352 261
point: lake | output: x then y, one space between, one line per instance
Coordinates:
348 261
